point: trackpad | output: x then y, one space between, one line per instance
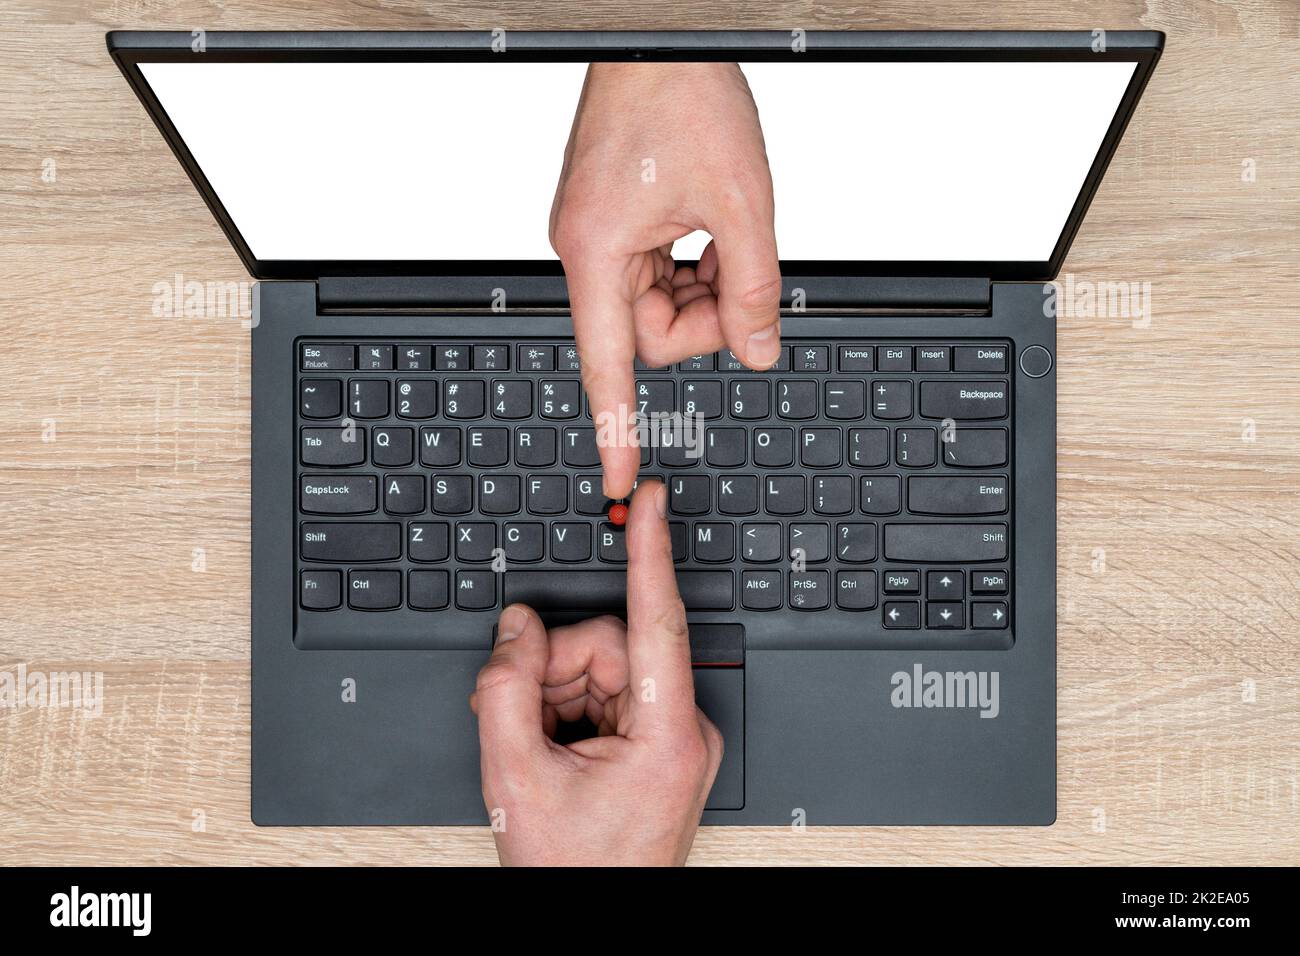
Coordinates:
720 692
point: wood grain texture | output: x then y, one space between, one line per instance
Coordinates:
124 460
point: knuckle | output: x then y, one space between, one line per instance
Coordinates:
498 672
761 298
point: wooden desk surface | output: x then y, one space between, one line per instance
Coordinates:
125 460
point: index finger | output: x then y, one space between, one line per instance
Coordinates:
606 340
658 640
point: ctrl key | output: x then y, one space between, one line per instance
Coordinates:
319 590
374 590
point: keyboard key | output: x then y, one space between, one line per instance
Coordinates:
846 400
785 495
427 543
988 582
725 447
703 399
715 543
945 614
902 582
451 358
404 494
760 590
696 363
957 495
902 614
983 358
964 400
345 542
476 590
891 401
614 544
571 542
738 494
810 591
914 447
368 398
561 400
523 540
417 398
319 590
548 494
880 494
810 543
677 537
820 447
811 358
488 447
536 358
475 540
749 399
761 542
414 358
392 447
326 358
375 358
832 495
857 358
933 358
579 447
567 359
796 400
988 615
491 358
452 494
427 590
894 358
654 398
855 543
945 585
464 399
439 447
774 447
374 590
571 590
320 398
512 399
868 447
344 495
855 590
588 498
331 447
958 543
498 494
689 495
535 447
975 447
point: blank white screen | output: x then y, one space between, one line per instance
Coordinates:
959 161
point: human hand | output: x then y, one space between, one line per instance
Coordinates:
657 151
632 795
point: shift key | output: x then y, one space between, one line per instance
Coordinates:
945 543
348 541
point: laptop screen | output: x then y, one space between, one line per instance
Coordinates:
894 161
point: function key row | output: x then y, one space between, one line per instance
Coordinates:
564 358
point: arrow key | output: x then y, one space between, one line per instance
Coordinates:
902 614
989 615
944 585
946 614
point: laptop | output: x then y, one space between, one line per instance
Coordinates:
864 534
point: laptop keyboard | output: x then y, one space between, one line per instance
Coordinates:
440 480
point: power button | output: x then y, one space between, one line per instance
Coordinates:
1035 361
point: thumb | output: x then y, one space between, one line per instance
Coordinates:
508 696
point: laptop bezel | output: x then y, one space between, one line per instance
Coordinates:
130 49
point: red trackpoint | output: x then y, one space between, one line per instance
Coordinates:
618 514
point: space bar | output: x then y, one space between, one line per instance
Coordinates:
607 590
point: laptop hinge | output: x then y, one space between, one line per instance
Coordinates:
496 293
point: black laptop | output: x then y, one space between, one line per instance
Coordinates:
865 534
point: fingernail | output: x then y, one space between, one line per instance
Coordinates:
511 624
661 501
763 347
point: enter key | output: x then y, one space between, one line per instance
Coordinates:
957 494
